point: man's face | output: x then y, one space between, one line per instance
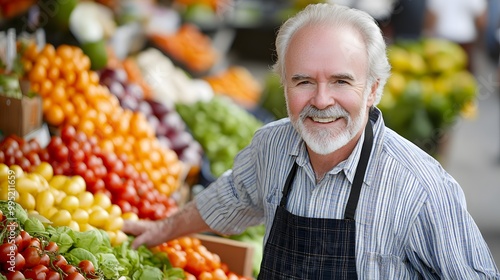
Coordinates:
326 86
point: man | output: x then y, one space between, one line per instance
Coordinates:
341 195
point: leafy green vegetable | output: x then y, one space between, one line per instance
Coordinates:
14 210
34 226
109 265
77 255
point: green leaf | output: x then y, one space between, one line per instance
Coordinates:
76 255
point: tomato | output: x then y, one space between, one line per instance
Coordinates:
53 275
68 134
40 268
26 238
31 256
35 242
68 268
74 276
51 247
60 261
32 274
99 217
44 260
20 262
61 218
177 258
6 251
15 275
87 267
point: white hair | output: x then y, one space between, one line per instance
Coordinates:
339 16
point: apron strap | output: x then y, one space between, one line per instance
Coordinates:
288 183
359 176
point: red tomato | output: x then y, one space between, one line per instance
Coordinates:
87 267
6 251
35 242
31 256
60 261
52 247
20 262
68 134
26 238
39 268
74 276
53 275
68 268
32 274
45 260
15 275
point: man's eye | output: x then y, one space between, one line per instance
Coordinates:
303 83
342 82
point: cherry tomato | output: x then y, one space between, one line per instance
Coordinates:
74 276
6 251
53 275
60 261
44 260
31 256
52 247
68 268
15 275
87 267
20 262
26 238
32 274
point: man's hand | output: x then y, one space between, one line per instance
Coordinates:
152 233
149 233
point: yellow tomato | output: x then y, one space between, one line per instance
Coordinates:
80 216
27 185
58 181
27 201
85 227
61 218
86 200
130 216
74 226
70 203
4 172
120 238
114 224
98 218
49 212
114 211
44 200
44 169
102 200
72 187
18 171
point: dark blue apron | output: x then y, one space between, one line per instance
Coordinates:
315 248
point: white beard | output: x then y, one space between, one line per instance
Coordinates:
326 141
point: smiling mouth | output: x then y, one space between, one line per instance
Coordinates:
324 120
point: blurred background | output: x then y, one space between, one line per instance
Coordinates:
196 75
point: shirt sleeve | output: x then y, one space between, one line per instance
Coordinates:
231 203
446 243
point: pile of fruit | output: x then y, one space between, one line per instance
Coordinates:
189 46
222 128
72 95
237 83
428 90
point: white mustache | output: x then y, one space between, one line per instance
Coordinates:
331 112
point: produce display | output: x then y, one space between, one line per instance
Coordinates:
72 95
237 83
169 128
221 127
34 249
428 90
189 46
129 131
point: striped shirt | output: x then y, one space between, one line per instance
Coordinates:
411 219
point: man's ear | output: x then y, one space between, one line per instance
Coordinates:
373 93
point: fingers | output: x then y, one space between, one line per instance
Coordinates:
135 227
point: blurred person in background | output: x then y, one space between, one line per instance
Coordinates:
490 33
407 19
342 196
459 21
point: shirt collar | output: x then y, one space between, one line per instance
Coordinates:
349 165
